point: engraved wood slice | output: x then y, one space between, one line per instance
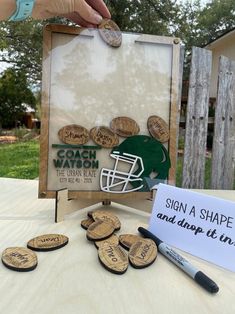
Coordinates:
113 258
107 216
158 128
124 126
99 230
48 242
74 134
110 33
19 259
112 240
85 223
127 240
143 253
104 136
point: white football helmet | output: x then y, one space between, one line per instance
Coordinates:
138 159
118 181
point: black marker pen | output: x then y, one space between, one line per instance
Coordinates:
181 262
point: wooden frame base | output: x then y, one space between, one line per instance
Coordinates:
64 205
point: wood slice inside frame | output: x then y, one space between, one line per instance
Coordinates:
69 99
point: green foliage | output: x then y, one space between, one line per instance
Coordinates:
21 46
20 132
23 41
149 16
179 173
19 160
14 94
216 18
194 23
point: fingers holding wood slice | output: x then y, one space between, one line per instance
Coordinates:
110 33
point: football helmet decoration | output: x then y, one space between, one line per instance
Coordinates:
138 159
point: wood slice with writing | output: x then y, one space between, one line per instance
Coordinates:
48 242
19 259
85 223
107 216
124 126
143 253
99 230
110 33
104 136
158 128
113 258
74 134
112 240
127 240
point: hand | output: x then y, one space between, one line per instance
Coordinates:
87 13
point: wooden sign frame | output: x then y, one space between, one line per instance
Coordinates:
51 60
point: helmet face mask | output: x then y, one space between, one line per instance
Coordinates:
138 160
119 181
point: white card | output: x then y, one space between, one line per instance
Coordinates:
199 224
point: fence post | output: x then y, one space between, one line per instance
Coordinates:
197 119
222 173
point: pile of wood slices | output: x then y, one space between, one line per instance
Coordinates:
115 252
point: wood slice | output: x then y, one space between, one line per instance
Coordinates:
74 134
158 128
142 253
113 258
19 259
112 240
48 242
99 230
124 126
107 216
104 136
127 240
110 33
85 223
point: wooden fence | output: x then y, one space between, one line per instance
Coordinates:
223 151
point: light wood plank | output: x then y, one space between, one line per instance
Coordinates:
197 119
223 163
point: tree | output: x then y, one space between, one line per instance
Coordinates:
186 25
21 45
149 16
216 18
14 95
196 25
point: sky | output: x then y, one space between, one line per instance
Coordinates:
203 2
3 66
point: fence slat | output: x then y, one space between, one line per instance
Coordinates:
197 119
222 175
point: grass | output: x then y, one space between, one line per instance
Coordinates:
179 172
19 160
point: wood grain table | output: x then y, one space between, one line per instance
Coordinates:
71 280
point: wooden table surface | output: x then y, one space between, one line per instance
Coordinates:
71 280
